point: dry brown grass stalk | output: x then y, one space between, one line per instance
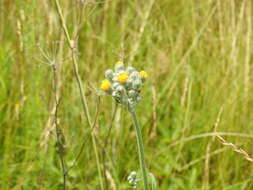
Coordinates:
235 148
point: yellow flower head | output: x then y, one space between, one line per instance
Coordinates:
105 85
17 106
122 78
144 74
120 63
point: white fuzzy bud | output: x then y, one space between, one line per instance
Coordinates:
130 69
125 93
119 67
115 94
134 75
137 84
132 93
132 179
138 99
115 85
109 74
120 88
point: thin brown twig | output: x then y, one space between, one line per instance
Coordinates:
210 135
235 148
51 61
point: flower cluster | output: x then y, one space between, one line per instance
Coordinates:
133 179
124 84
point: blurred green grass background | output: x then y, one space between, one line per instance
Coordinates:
199 58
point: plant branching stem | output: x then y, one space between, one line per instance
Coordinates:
59 135
140 148
81 89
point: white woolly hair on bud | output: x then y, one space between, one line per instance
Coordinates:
120 88
130 69
119 67
109 74
125 93
134 75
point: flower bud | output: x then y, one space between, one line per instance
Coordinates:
119 66
138 99
109 74
137 84
132 93
115 85
130 69
119 88
115 94
134 75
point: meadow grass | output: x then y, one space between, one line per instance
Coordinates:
199 58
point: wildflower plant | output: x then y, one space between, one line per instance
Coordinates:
124 85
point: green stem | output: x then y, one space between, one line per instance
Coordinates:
140 148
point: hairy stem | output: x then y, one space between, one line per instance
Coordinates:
140 148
